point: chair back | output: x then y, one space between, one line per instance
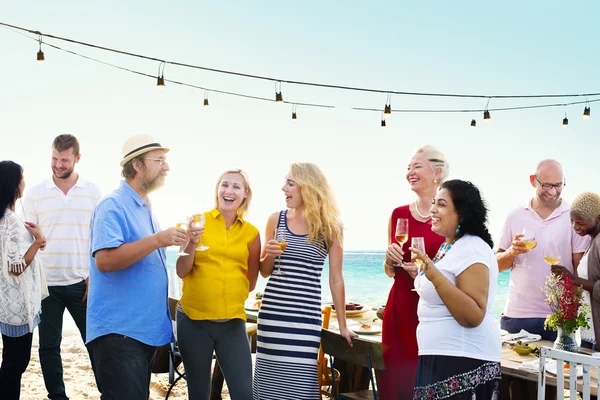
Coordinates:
573 359
173 308
322 363
364 353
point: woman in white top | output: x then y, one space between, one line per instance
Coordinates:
21 281
459 340
585 216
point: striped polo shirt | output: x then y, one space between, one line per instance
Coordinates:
65 221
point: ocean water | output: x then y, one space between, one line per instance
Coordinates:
366 283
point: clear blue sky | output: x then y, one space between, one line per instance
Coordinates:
467 47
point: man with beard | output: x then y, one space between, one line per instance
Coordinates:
62 206
128 314
545 220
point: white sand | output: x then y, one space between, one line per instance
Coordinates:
78 375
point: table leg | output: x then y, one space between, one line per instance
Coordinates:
353 378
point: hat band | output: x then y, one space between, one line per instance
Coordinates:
141 148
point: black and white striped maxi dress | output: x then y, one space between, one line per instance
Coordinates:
289 323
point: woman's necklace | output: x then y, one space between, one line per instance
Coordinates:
444 248
419 213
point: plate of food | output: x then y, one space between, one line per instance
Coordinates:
551 368
353 309
367 328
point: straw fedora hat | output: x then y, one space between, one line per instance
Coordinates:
139 144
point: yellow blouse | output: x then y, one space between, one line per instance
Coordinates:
217 287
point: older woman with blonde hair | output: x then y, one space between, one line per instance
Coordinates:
426 171
289 321
216 283
585 217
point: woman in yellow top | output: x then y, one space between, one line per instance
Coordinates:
216 283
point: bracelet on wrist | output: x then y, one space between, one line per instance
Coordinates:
439 282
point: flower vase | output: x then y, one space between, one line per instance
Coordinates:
565 341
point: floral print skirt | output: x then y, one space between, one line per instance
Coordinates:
447 377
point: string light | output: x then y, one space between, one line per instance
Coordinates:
278 95
40 53
294 115
473 123
206 98
486 112
388 105
160 79
383 120
586 111
565 120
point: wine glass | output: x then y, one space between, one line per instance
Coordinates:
401 233
530 243
551 254
419 244
182 225
280 237
199 221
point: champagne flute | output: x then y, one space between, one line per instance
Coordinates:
182 225
530 243
280 237
551 254
199 221
401 233
419 244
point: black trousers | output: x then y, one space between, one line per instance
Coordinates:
123 367
16 352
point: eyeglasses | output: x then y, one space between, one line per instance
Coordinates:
161 161
548 186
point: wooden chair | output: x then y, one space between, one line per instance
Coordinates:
573 359
174 354
363 353
325 377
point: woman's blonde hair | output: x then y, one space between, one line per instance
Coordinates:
586 206
243 208
320 211
437 160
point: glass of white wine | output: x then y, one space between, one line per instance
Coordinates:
401 234
530 243
551 254
419 244
199 221
182 225
280 237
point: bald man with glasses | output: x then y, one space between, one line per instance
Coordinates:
546 220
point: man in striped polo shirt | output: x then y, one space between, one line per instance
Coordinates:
62 206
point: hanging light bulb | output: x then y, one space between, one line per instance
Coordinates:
565 120
388 105
473 123
206 98
294 115
40 53
160 78
383 120
278 95
486 115
586 112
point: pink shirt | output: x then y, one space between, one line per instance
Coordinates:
525 297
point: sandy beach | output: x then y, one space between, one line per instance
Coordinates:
78 375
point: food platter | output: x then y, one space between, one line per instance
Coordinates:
353 309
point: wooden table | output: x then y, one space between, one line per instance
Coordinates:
511 362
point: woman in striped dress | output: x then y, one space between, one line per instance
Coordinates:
289 321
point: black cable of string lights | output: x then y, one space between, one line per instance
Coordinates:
294 82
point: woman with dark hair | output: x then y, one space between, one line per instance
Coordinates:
21 281
459 340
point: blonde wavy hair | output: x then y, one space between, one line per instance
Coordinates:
320 211
586 206
243 208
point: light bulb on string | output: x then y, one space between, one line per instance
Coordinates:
278 95
383 120
206 98
388 105
486 112
160 79
586 111
294 115
40 53
565 120
473 123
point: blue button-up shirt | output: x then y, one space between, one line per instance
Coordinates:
133 301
